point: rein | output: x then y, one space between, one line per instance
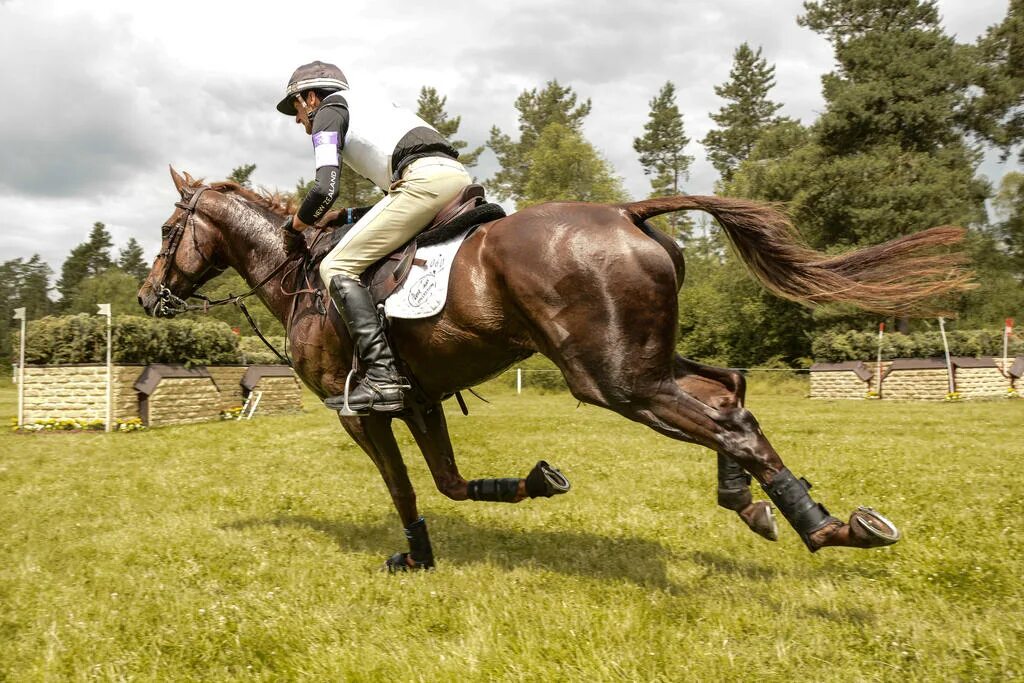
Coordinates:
172 303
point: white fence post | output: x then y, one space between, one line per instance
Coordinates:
949 363
1007 331
19 314
519 380
104 309
878 387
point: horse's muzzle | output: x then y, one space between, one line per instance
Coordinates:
161 303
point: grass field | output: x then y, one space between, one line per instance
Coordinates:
250 551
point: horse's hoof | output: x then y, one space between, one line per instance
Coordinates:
402 562
545 481
866 529
871 529
761 520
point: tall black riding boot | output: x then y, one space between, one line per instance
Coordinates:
381 387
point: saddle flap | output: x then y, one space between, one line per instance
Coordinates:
391 272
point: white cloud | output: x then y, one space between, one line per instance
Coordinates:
101 96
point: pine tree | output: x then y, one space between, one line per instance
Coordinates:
537 110
34 287
353 190
22 284
901 80
132 260
998 112
662 154
748 114
89 258
243 174
888 156
565 167
1010 204
431 109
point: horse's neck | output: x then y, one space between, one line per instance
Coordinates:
254 252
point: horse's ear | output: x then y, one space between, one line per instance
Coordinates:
189 179
179 183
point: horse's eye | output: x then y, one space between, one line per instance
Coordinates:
165 231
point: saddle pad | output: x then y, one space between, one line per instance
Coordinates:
426 289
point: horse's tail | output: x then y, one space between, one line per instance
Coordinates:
899 277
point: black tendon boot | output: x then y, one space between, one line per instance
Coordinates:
420 555
794 502
381 387
733 484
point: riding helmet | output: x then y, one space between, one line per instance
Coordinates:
315 75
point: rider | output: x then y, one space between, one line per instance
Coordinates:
404 156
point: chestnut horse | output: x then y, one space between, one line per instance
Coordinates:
593 288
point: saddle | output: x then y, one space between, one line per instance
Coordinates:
462 214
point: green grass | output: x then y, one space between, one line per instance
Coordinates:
250 551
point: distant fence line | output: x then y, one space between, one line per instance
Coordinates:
899 379
550 379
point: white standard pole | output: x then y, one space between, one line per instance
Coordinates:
878 385
949 363
519 380
110 374
104 309
1007 329
19 314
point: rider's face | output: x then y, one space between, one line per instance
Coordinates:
304 107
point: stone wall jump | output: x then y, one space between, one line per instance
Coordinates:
159 394
907 379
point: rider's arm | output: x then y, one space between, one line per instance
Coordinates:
329 128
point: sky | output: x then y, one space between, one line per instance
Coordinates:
100 97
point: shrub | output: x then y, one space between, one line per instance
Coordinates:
254 351
83 339
834 347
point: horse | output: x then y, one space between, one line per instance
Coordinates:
594 288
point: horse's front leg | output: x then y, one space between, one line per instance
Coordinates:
373 434
542 481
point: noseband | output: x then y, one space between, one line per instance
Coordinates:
168 300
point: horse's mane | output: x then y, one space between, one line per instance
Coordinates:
280 204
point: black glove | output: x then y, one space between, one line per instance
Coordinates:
294 242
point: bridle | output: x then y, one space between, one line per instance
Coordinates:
167 300
171 304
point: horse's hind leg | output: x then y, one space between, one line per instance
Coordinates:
726 389
733 430
435 443
684 409
373 434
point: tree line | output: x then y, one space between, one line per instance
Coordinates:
908 114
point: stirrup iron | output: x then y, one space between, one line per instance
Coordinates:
345 411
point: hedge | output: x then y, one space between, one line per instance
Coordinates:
135 339
255 352
834 347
